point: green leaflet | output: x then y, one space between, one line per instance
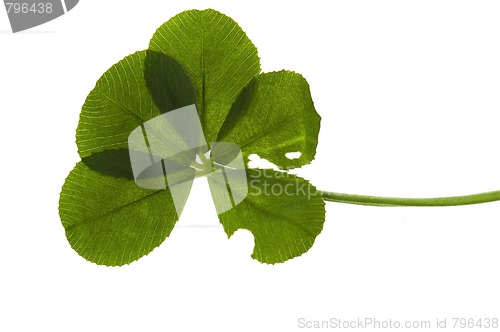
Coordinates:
136 89
274 115
284 213
108 219
200 57
112 221
218 56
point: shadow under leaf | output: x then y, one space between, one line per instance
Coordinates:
114 163
170 88
169 84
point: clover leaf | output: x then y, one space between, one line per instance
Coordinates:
217 55
284 212
110 220
274 115
203 58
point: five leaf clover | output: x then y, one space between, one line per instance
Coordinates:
203 58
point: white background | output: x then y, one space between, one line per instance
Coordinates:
408 92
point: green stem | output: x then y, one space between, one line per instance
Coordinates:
396 201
